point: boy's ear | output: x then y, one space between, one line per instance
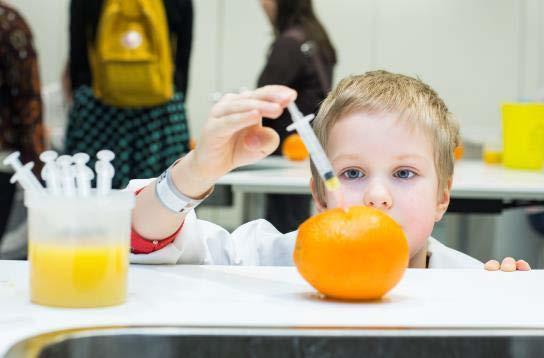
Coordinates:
443 201
318 204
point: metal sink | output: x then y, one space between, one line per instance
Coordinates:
214 342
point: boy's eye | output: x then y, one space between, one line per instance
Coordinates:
353 174
404 174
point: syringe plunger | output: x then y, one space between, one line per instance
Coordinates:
50 171
67 175
23 173
104 171
84 174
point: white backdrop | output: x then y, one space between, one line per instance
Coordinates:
475 53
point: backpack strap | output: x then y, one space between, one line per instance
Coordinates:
310 50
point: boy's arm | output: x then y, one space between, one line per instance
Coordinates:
233 136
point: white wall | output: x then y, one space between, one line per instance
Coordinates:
477 54
49 22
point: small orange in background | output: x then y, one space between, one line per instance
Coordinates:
492 153
192 144
358 254
492 156
293 148
458 152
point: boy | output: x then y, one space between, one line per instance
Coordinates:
389 137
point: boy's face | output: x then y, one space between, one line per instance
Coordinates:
387 164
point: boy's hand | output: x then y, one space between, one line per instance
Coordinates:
234 135
508 265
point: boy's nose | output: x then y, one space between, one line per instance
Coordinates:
378 197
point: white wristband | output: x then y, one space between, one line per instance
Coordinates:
171 198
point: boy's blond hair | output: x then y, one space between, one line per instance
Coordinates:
379 92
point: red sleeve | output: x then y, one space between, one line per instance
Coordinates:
140 245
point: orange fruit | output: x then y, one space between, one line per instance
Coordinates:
192 144
293 148
458 152
358 254
492 156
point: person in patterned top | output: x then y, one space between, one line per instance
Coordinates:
21 127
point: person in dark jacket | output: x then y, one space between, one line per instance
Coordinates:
146 140
21 126
301 57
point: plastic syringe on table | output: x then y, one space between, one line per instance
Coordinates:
302 125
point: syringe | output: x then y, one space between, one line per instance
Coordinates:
104 171
67 172
23 173
51 171
302 125
84 174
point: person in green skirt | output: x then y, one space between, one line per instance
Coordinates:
146 139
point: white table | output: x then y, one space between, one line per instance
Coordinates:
220 296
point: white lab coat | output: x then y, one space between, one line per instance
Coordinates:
256 243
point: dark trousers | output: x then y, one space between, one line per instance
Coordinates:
7 193
286 212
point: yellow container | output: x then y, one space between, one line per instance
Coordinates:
523 135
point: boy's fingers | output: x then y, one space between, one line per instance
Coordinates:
229 97
523 265
262 139
268 109
508 264
234 122
276 93
492 265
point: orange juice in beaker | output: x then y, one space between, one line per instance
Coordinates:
492 152
77 276
78 248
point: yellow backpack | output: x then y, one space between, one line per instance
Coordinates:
131 60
